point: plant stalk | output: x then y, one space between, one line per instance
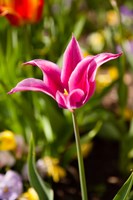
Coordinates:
80 158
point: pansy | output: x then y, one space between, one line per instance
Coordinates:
50 166
10 185
74 84
22 11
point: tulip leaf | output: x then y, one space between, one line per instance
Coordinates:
125 189
79 26
42 188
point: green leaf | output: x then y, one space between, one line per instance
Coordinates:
123 94
42 188
125 189
79 26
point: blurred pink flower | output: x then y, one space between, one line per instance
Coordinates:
72 86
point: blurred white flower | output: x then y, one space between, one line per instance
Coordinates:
6 159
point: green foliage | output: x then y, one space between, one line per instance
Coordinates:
44 191
37 115
123 193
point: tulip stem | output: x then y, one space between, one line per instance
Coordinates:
80 158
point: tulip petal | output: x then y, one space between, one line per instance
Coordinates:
75 99
86 70
99 60
51 74
92 86
32 85
10 14
78 78
72 57
61 99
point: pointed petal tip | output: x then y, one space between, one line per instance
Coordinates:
32 62
11 91
25 63
28 63
74 39
119 54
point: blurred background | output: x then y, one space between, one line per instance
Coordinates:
42 30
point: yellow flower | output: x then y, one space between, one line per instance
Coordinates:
53 168
85 53
112 18
128 114
113 72
86 148
105 77
29 195
7 141
96 41
103 80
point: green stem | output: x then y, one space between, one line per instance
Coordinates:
80 158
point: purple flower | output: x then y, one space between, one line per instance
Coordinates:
10 186
72 86
128 47
126 11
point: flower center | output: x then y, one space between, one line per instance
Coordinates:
5 190
65 92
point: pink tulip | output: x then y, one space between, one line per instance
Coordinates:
74 84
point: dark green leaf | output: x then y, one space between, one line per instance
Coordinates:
125 189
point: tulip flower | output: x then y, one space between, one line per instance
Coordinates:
74 84
71 87
22 11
